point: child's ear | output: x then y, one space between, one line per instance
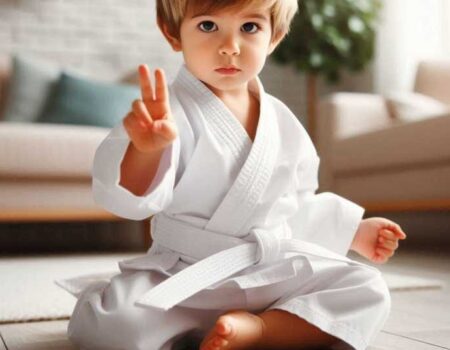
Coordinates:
274 42
173 41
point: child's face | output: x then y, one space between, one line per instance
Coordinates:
239 38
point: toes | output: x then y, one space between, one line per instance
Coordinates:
217 343
223 327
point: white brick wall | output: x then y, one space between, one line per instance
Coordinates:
106 39
101 38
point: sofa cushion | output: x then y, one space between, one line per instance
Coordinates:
411 106
48 150
30 85
421 143
78 100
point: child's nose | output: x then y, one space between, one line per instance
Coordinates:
229 46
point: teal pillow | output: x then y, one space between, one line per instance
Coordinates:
32 80
77 100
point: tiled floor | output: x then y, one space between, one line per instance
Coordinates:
419 320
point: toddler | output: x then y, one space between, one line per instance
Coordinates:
244 253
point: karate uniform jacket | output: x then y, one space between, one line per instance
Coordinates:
236 223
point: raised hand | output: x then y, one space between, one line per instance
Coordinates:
150 124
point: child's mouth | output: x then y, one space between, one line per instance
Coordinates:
227 71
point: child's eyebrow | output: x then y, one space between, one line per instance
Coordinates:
256 15
250 15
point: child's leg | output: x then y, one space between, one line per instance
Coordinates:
361 294
283 330
272 329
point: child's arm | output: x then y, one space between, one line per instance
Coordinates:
138 169
151 129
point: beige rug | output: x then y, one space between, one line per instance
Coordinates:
28 291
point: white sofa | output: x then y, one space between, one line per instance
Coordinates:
45 172
45 168
380 161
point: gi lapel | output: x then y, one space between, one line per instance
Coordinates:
221 122
254 176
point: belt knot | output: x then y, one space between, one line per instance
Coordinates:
269 245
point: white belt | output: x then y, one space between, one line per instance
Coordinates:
219 255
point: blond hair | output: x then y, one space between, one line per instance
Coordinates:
172 12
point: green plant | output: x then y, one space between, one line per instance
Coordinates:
328 35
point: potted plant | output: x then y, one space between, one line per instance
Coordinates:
327 36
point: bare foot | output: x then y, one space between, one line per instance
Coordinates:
234 330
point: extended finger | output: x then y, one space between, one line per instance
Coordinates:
162 93
141 112
145 83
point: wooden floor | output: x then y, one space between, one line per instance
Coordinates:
419 320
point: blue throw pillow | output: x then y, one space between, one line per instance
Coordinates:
32 80
77 100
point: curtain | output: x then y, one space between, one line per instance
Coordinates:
410 31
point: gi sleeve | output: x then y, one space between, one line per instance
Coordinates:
325 218
109 194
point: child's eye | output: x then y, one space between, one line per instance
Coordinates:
250 27
207 26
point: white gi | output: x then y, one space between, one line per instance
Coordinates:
241 221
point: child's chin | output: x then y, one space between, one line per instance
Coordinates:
225 83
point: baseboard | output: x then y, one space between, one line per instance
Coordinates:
409 205
48 237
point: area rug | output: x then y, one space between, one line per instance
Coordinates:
27 288
28 292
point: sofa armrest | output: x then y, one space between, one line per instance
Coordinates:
432 79
418 144
354 113
342 115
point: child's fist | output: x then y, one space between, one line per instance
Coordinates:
149 124
377 239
